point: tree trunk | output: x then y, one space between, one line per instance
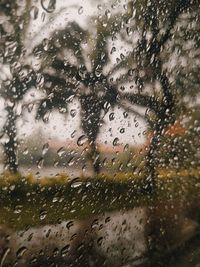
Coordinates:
10 146
165 117
95 158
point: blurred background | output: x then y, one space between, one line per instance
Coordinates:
99 100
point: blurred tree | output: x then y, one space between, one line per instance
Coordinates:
16 76
161 46
73 64
76 63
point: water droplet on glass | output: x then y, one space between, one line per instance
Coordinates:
4 255
61 151
99 241
73 134
125 114
48 5
131 72
25 152
80 10
111 116
76 183
122 130
95 224
40 163
107 219
126 147
73 113
5 138
99 7
34 12
69 224
43 214
46 117
55 199
30 107
20 253
108 13
45 44
18 209
65 250
113 49
116 141
129 31
82 140
71 161
45 148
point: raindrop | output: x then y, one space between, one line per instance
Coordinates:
126 147
113 50
129 31
69 224
3 257
34 12
80 10
116 141
122 56
111 116
5 139
73 134
125 114
18 209
48 233
48 5
95 224
40 163
43 214
30 237
99 7
61 151
46 117
45 149
55 252
131 72
30 107
25 152
43 16
45 44
73 113
55 199
82 140
108 13
20 253
65 250
106 106
122 130
99 241
98 72
71 161
76 183
107 220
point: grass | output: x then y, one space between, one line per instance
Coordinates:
26 201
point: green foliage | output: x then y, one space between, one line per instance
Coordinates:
24 200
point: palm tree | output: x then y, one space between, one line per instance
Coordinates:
85 78
85 75
21 77
156 24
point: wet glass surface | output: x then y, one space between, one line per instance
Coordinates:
99 133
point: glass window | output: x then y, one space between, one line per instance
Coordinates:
99 133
